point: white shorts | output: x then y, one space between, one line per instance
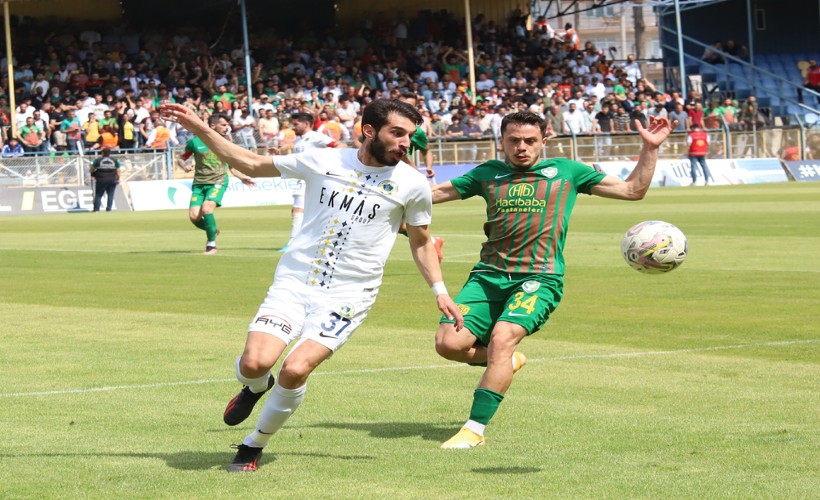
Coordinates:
293 311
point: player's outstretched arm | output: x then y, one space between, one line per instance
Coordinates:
424 254
637 184
444 192
241 159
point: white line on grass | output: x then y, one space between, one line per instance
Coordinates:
409 368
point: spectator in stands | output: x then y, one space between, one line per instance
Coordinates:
602 128
91 130
472 132
572 41
269 129
574 119
750 116
695 114
632 70
70 126
813 147
108 138
739 51
658 111
12 148
437 128
455 130
681 116
244 126
160 137
128 136
42 121
791 152
555 118
622 124
31 136
711 54
811 80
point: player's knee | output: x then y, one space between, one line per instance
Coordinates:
295 371
253 365
448 348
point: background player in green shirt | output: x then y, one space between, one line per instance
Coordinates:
519 279
210 182
419 142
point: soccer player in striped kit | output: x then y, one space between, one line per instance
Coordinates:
518 281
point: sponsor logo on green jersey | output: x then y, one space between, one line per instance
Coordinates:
520 199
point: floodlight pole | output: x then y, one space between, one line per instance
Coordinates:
681 63
470 56
248 76
751 32
10 63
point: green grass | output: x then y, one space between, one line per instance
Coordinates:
118 340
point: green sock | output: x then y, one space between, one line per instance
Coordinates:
210 226
485 404
200 223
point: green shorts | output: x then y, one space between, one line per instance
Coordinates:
207 192
523 299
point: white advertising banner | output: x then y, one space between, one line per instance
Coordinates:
169 195
724 172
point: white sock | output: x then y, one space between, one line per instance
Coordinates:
296 219
210 244
256 385
475 427
278 408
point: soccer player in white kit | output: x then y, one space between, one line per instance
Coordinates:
306 138
324 286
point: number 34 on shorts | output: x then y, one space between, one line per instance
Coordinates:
530 306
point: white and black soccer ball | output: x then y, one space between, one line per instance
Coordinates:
654 247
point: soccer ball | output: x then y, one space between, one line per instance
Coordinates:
654 247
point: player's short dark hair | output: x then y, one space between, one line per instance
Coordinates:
524 118
301 117
376 113
214 119
409 95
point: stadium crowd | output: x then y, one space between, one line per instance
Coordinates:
101 88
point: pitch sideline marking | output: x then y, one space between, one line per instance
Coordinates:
634 354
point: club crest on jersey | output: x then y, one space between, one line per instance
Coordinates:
388 187
530 286
346 310
549 172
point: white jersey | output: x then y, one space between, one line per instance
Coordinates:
352 216
311 140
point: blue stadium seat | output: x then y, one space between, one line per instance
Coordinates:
741 83
734 68
794 109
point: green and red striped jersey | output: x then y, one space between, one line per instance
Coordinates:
527 211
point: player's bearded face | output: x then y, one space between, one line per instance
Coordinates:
522 145
386 153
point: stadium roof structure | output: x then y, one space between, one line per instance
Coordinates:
564 7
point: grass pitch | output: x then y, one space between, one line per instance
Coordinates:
118 339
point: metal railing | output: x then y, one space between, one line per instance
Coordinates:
769 142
